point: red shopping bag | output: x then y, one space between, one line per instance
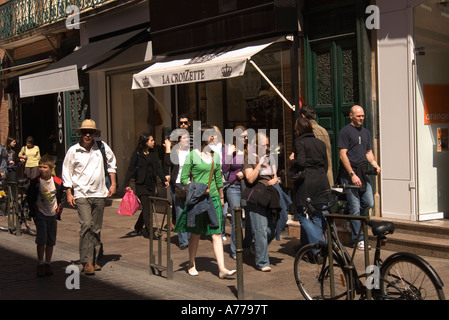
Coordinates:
129 205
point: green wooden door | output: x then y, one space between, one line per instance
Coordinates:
333 85
76 110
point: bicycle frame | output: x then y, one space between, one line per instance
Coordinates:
13 208
347 259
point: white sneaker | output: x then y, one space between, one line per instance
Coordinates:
361 246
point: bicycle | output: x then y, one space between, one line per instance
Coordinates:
15 207
402 276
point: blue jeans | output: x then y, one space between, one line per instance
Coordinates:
233 195
183 237
263 229
313 228
359 204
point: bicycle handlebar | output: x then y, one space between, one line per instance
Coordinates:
310 206
334 190
345 186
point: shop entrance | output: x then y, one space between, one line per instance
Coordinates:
431 75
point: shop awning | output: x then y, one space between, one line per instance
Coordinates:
63 75
46 82
203 66
15 71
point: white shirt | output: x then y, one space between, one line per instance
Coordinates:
83 170
182 155
46 199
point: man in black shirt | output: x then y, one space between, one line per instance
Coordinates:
355 147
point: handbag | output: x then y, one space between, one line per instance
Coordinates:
180 192
129 204
295 174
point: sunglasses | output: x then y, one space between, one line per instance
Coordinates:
184 122
87 131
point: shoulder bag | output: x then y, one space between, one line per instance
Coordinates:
295 174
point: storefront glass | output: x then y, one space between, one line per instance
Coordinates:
130 110
247 100
431 41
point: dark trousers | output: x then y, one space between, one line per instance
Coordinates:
144 218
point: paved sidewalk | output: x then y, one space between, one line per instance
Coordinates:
125 274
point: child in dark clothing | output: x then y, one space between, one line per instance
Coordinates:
46 198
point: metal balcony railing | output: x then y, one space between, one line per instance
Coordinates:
19 16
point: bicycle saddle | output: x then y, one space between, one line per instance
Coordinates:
381 227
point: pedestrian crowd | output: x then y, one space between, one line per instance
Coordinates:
206 181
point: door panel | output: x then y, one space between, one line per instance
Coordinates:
333 86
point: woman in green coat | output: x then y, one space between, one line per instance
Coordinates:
197 168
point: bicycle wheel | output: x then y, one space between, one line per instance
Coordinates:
12 207
3 214
312 274
405 276
24 217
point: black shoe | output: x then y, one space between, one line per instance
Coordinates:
48 271
144 232
40 270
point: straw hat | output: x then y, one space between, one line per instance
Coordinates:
88 124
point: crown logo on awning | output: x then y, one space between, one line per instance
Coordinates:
226 71
146 81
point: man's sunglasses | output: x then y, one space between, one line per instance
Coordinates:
184 122
87 131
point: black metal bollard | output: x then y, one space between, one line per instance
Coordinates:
239 252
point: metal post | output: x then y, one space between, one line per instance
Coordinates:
168 209
367 263
330 255
167 214
151 232
239 252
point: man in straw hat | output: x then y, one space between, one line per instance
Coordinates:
84 172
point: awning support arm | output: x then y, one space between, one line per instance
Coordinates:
158 102
271 84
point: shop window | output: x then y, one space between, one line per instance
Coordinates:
247 100
431 41
130 117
